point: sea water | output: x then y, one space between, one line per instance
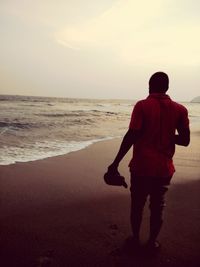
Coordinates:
34 128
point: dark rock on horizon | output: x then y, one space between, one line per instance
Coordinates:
196 99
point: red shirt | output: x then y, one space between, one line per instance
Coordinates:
157 117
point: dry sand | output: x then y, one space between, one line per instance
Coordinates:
58 211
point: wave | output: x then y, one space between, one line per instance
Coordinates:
55 115
78 113
18 125
43 150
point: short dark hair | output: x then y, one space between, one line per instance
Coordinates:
159 82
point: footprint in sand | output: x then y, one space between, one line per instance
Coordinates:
114 228
45 260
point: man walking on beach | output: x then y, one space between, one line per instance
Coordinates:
152 131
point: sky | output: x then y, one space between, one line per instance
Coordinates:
99 49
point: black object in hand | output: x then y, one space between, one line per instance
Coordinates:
115 179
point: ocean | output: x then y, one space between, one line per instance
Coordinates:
33 128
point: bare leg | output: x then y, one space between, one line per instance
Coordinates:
139 192
157 203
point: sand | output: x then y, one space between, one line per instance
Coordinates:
59 212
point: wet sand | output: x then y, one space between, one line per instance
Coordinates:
58 211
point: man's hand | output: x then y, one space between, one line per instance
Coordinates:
113 177
113 168
183 137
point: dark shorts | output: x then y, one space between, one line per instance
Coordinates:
142 187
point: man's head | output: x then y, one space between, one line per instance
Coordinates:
158 83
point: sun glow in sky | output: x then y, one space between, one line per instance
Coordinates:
99 49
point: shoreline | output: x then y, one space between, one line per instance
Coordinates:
80 145
40 135
195 133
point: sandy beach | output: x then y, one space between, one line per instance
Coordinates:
59 212
75 77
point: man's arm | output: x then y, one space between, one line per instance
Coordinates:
129 139
183 137
183 129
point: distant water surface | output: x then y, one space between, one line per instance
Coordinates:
38 127
33 128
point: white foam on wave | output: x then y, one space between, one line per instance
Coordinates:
42 150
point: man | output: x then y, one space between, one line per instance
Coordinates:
152 131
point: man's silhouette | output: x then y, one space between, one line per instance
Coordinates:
152 132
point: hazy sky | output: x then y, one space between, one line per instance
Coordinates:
99 49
